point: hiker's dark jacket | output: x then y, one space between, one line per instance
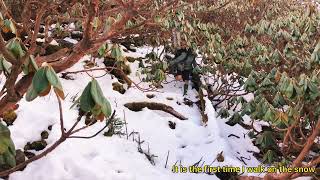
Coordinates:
184 60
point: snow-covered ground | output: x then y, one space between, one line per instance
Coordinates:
116 158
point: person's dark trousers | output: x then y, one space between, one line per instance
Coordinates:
196 81
186 78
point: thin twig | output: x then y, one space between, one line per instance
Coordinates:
167 160
125 121
94 135
61 115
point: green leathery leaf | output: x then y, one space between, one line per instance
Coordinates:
53 78
3 147
6 65
6 144
116 52
25 67
223 113
29 65
266 139
303 82
96 110
86 101
31 94
102 50
33 62
284 82
1 66
54 81
4 131
106 108
96 93
250 84
278 101
313 86
269 157
108 23
9 159
235 119
40 82
2 161
266 82
290 90
269 116
14 46
9 25
315 56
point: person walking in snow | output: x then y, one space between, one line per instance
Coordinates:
184 65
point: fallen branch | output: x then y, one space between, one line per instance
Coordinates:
138 106
202 103
202 107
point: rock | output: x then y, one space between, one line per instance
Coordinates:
76 35
150 96
28 154
172 125
36 145
67 77
89 64
220 157
169 98
65 44
187 102
20 156
132 59
50 49
126 69
50 127
118 87
44 135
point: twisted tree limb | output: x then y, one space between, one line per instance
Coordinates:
305 151
138 106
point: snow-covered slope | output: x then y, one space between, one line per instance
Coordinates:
117 158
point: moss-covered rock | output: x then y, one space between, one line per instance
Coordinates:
44 135
9 117
36 145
